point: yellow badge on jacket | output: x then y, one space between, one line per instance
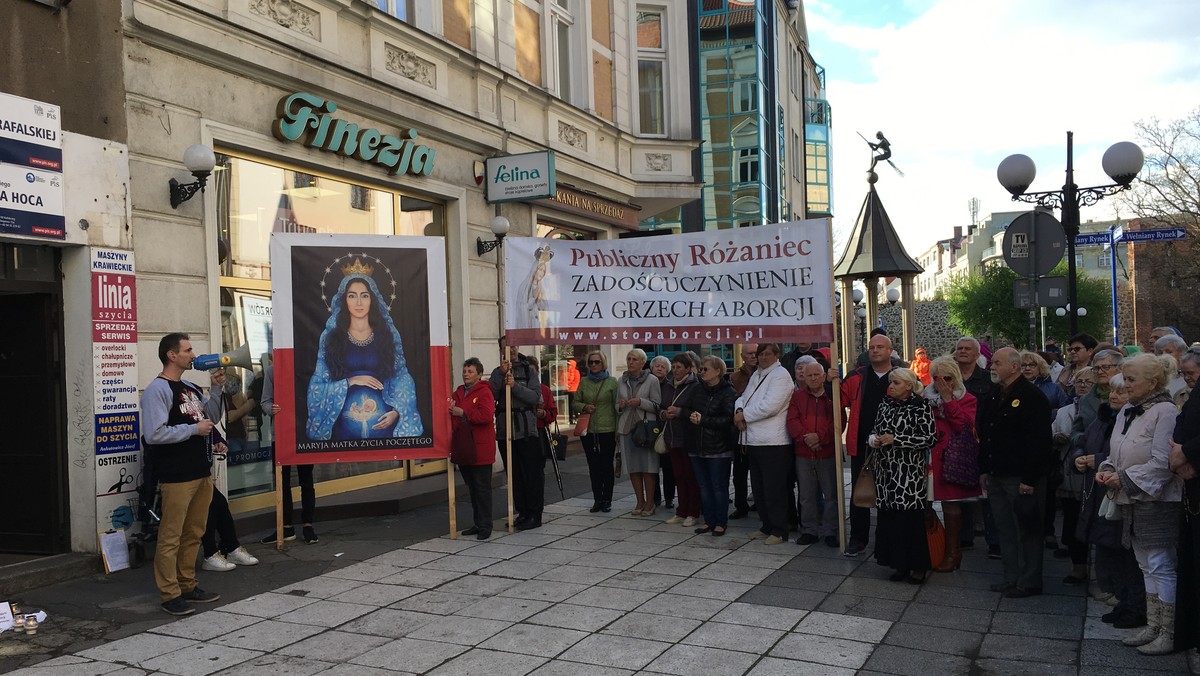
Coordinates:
1016 403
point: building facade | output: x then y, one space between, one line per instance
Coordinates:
458 80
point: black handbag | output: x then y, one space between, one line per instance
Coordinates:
645 432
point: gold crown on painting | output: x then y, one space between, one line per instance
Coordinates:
357 268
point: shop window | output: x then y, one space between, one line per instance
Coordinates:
254 200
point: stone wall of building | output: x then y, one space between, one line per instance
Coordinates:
935 333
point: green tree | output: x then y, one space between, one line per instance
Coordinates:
982 304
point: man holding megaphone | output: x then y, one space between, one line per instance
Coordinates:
239 357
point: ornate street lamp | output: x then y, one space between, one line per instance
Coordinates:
1121 162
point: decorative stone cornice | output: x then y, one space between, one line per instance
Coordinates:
409 65
289 14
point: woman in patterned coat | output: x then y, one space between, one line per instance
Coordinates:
902 437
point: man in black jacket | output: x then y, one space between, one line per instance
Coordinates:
528 463
1014 456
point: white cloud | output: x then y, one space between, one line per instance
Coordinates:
967 83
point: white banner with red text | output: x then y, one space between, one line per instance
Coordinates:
771 283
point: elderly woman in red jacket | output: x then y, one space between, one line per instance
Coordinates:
473 446
810 424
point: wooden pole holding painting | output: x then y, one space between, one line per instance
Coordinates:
450 493
834 352
508 423
279 491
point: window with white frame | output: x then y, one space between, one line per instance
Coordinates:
797 156
1104 261
565 66
652 67
794 71
401 9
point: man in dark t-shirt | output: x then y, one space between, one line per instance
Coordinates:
178 421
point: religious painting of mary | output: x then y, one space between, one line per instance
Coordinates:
361 387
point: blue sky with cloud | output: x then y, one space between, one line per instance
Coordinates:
957 85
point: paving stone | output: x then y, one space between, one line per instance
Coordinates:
881 589
992 667
653 627
199 660
773 666
615 561
579 574
559 529
376 594
516 570
388 622
711 589
1095 628
268 605
816 564
530 639
686 553
822 650
333 646
81 667
585 520
205 626
415 655
803 579
754 615
942 640
967 619
489 662
635 548
892 659
358 670
583 618
327 613
755 640
661 537
613 598
320 587
577 544
675 605
500 608
633 525
137 648
436 602
958 597
406 558
732 573
1112 654
460 564
531 538
686 660
844 626
556 557
643 581
422 577
365 572
460 629
1054 605
479 585
544 590
615 651
1027 649
1037 625
278 665
445 545
801 599
267 636
565 668
861 606
757 559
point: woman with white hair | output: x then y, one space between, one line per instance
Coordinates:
902 437
954 420
638 399
1140 482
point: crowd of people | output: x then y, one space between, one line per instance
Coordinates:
1000 443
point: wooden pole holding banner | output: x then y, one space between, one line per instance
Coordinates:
834 352
279 490
450 493
508 420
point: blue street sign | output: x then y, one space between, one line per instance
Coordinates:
1166 235
1091 239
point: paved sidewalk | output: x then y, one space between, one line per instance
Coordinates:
610 594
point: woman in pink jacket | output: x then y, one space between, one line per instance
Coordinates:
953 414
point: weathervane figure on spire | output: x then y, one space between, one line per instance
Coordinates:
881 151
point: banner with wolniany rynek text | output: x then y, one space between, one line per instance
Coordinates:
746 285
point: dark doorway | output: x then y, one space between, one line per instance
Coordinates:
33 508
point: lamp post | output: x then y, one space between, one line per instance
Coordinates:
1122 162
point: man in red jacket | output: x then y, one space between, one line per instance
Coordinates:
863 391
473 449
810 424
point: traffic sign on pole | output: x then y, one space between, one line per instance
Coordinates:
1033 244
1092 239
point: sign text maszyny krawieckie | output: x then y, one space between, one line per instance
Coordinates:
753 284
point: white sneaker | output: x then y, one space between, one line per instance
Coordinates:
241 557
674 520
689 522
217 563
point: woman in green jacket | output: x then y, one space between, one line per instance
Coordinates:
597 397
